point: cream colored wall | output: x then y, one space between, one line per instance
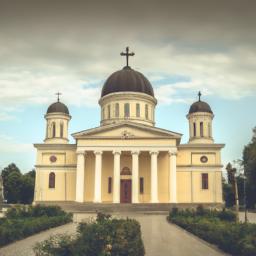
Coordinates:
144 172
163 177
64 169
107 171
64 185
127 97
89 177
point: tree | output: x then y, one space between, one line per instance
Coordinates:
18 187
249 163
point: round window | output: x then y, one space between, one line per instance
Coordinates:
53 159
204 159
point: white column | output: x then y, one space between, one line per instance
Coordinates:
116 183
97 183
154 177
172 176
80 177
135 177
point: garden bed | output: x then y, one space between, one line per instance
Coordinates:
219 228
24 221
102 237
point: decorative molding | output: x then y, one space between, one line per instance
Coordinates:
55 146
98 152
154 152
172 152
135 152
126 135
116 152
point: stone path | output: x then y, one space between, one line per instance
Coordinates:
160 238
25 247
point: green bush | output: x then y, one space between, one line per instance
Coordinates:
105 236
22 221
220 228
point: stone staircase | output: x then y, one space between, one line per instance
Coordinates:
114 208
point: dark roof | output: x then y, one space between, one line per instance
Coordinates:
58 107
127 80
200 106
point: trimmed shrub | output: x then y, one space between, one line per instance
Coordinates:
22 221
105 236
220 228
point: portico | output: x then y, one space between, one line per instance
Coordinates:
134 155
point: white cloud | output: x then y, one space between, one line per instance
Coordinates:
10 145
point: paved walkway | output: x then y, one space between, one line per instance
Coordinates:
160 238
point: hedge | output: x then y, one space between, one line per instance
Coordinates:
21 222
218 228
105 236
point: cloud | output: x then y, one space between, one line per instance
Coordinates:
73 49
10 145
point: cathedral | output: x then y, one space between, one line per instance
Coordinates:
127 159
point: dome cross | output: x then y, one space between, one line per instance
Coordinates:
127 54
58 96
199 96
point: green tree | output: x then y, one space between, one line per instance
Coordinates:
18 187
249 163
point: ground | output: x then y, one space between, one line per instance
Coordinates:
159 237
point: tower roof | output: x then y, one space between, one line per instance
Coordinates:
200 106
58 107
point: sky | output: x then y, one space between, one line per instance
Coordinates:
73 46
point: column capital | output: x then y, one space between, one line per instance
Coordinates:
153 152
135 152
98 152
116 152
81 152
172 152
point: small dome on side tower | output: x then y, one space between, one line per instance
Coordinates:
200 118
57 118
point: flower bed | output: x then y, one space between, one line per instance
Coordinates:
105 236
22 221
219 228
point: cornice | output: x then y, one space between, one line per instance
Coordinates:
201 146
54 146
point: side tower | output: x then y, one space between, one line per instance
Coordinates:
199 167
56 158
200 118
57 119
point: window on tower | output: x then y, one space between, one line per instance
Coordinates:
194 129
61 130
137 110
52 180
117 110
209 130
201 129
126 110
146 111
53 129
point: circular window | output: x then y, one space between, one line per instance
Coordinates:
53 159
204 159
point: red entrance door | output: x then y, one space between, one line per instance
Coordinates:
126 191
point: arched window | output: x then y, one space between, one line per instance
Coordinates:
117 110
137 110
53 129
146 111
194 129
201 129
61 130
52 180
126 110
126 171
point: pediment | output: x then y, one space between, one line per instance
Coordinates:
125 131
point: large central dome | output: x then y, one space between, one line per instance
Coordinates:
127 80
